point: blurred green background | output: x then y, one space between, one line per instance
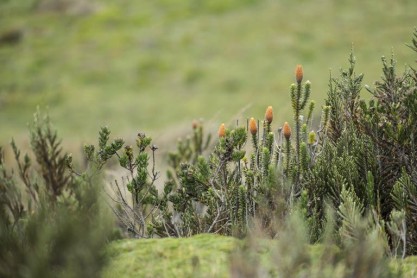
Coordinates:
155 65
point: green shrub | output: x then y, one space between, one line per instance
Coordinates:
136 209
370 151
51 222
290 255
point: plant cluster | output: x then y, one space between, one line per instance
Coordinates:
369 156
133 213
224 191
359 161
291 255
51 222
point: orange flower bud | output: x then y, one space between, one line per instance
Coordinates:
222 130
269 115
299 73
195 124
252 126
286 130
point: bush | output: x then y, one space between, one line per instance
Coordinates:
362 152
370 150
52 223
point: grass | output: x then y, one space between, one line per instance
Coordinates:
171 257
152 66
205 255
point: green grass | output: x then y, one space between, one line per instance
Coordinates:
205 255
171 257
153 65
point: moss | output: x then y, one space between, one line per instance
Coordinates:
203 255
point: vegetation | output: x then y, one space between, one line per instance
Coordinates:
333 196
52 223
208 255
200 255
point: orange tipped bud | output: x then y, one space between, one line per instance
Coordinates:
253 128
269 114
299 73
195 124
222 130
286 130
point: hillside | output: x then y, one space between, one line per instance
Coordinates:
155 66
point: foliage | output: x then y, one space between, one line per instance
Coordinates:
206 195
208 255
133 213
403 224
291 255
224 192
48 152
369 152
51 223
351 162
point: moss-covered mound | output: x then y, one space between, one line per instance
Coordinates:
204 255
171 257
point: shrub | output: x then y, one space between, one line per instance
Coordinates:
59 227
291 255
225 191
365 149
370 151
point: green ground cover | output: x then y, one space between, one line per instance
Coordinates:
171 257
205 255
152 66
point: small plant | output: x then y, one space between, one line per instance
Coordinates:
206 195
133 215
